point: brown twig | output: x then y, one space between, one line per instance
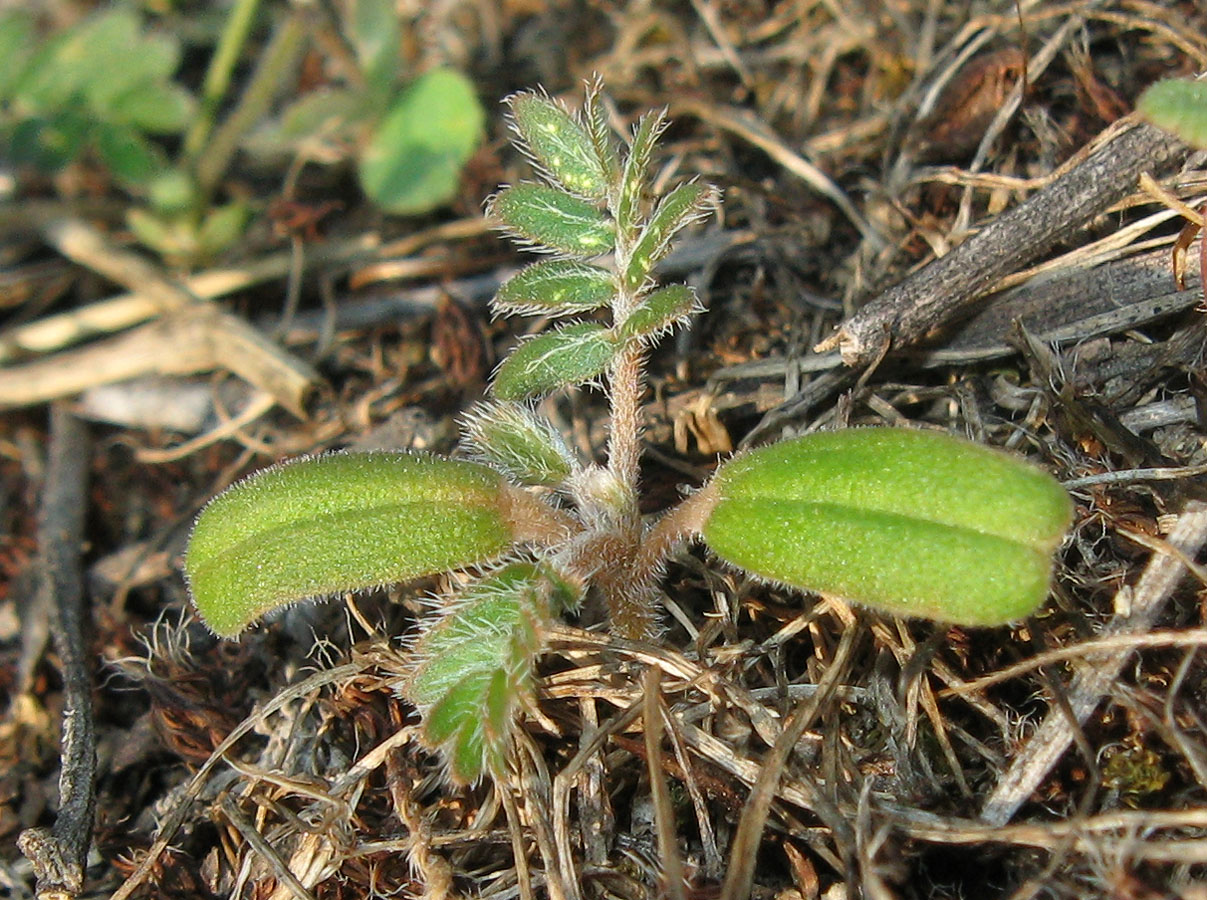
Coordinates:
935 294
59 855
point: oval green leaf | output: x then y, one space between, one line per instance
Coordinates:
413 162
571 355
911 522
554 219
339 522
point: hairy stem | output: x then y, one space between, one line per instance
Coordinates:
679 524
626 382
534 521
629 591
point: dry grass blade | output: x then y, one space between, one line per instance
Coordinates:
1138 609
664 813
280 868
176 816
744 849
184 342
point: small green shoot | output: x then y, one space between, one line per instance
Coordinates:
912 523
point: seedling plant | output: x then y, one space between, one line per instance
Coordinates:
914 523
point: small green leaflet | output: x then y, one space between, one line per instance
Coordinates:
570 355
559 145
553 218
555 287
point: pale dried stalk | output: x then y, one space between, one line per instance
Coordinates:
1092 683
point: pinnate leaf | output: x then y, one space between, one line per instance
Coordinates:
553 218
685 204
512 438
555 287
1180 107
473 665
660 311
559 145
571 355
339 522
915 523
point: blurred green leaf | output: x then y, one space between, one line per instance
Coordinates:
567 356
147 62
46 84
321 124
1180 107
171 192
49 142
161 233
323 110
550 217
221 227
127 154
375 35
153 108
102 84
177 234
413 162
18 37
915 523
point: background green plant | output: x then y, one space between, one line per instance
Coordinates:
103 86
108 88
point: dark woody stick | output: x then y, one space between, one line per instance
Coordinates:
59 854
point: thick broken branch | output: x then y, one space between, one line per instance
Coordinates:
939 292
